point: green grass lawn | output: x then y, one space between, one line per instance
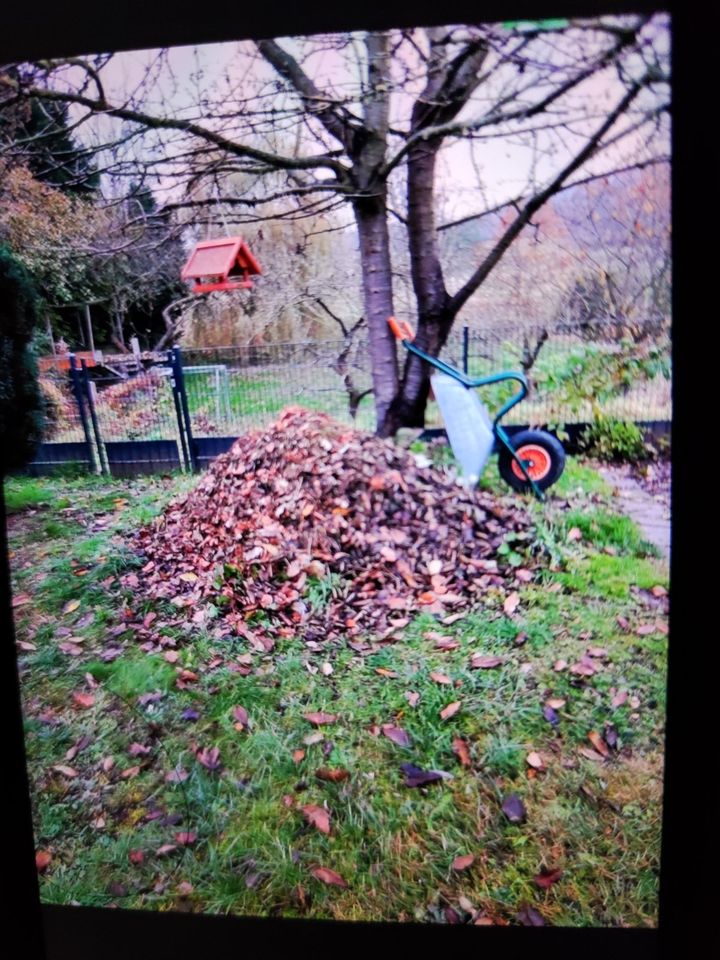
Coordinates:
235 839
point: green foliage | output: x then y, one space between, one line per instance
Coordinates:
21 404
614 440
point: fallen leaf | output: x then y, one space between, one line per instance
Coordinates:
188 577
412 698
560 665
326 669
440 678
619 699
177 775
597 652
84 700
298 755
107 764
130 773
332 774
574 534
165 849
514 808
312 738
240 715
317 816
591 754
42 860
328 876
511 603
546 878
172 656
462 863
450 710
397 735
535 760
317 719
597 741
71 606
416 777
185 838
138 750
66 771
136 856
385 673
461 751
184 889
556 703
550 715
485 662
529 917
209 758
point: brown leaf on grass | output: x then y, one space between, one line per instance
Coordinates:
560 665
597 741
317 816
619 699
483 662
71 649
240 715
184 889
318 719
514 808
298 755
555 703
42 860
599 652
463 862
209 757
177 775
83 700
450 710
529 917
547 877
583 669
534 760
172 656
80 744
71 606
332 774
130 773
106 764
136 856
69 772
185 838
574 534
412 697
416 777
397 735
591 754
138 750
165 849
386 673
329 876
313 738
511 603
461 751
440 677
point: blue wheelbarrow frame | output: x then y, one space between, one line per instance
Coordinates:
403 331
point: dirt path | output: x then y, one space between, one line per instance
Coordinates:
651 511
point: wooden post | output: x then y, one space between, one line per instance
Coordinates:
88 323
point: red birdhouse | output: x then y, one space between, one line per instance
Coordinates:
224 264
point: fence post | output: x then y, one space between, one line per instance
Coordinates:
466 341
181 406
78 391
99 445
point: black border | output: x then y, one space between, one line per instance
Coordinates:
89 25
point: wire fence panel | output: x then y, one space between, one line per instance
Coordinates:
575 374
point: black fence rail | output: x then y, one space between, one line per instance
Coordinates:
180 410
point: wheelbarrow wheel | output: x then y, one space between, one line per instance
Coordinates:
543 455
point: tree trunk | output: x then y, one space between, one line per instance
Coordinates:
434 318
371 219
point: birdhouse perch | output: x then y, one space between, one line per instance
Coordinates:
224 264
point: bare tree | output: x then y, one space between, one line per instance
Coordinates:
403 97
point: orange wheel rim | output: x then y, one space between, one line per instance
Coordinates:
539 462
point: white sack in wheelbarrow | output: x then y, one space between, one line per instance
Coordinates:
467 424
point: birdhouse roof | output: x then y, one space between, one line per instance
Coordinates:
217 258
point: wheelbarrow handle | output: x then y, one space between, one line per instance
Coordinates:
401 329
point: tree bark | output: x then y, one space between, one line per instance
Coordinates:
371 219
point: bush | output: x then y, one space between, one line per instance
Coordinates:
614 440
21 404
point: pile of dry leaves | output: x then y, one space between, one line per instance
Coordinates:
286 508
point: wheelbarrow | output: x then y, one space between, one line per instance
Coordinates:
530 460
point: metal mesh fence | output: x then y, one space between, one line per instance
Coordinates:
574 374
